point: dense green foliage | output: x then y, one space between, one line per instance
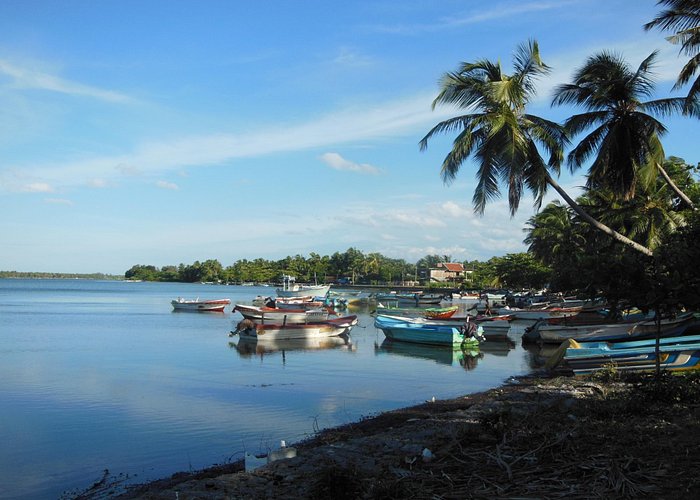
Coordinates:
587 263
514 270
353 265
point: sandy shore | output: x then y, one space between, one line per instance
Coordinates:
533 437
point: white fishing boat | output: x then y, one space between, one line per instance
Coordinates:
330 328
292 289
217 305
307 302
283 316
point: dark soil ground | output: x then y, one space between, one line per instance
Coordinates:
603 437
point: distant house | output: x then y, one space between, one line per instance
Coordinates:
449 272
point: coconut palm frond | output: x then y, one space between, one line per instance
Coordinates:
586 148
664 107
446 126
576 124
679 16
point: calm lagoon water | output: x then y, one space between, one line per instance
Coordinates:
99 375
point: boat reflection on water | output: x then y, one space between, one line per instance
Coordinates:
499 347
248 347
539 354
445 355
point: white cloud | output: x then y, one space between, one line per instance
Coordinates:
412 218
125 169
167 185
457 252
359 124
352 58
25 77
337 162
98 183
480 15
452 209
38 187
59 201
503 11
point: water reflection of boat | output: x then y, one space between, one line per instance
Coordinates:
248 347
446 355
497 347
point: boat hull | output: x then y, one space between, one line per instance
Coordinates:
535 314
614 331
423 332
271 315
297 291
217 305
331 328
441 313
681 356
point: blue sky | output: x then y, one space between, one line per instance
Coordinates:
164 132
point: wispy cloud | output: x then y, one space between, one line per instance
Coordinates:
412 218
37 187
337 162
478 15
502 11
372 122
59 201
349 57
26 77
98 183
452 209
167 185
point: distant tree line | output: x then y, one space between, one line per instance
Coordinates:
40 275
353 266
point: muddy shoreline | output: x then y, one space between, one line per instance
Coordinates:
534 436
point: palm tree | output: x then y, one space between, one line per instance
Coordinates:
649 217
625 140
682 17
502 137
552 232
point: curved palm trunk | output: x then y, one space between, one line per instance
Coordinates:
675 188
598 225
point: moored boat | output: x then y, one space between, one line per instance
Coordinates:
613 331
307 302
330 328
675 354
489 326
283 316
539 313
216 305
292 289
428 331
441 312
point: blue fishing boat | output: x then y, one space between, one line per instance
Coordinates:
675 354
421 332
